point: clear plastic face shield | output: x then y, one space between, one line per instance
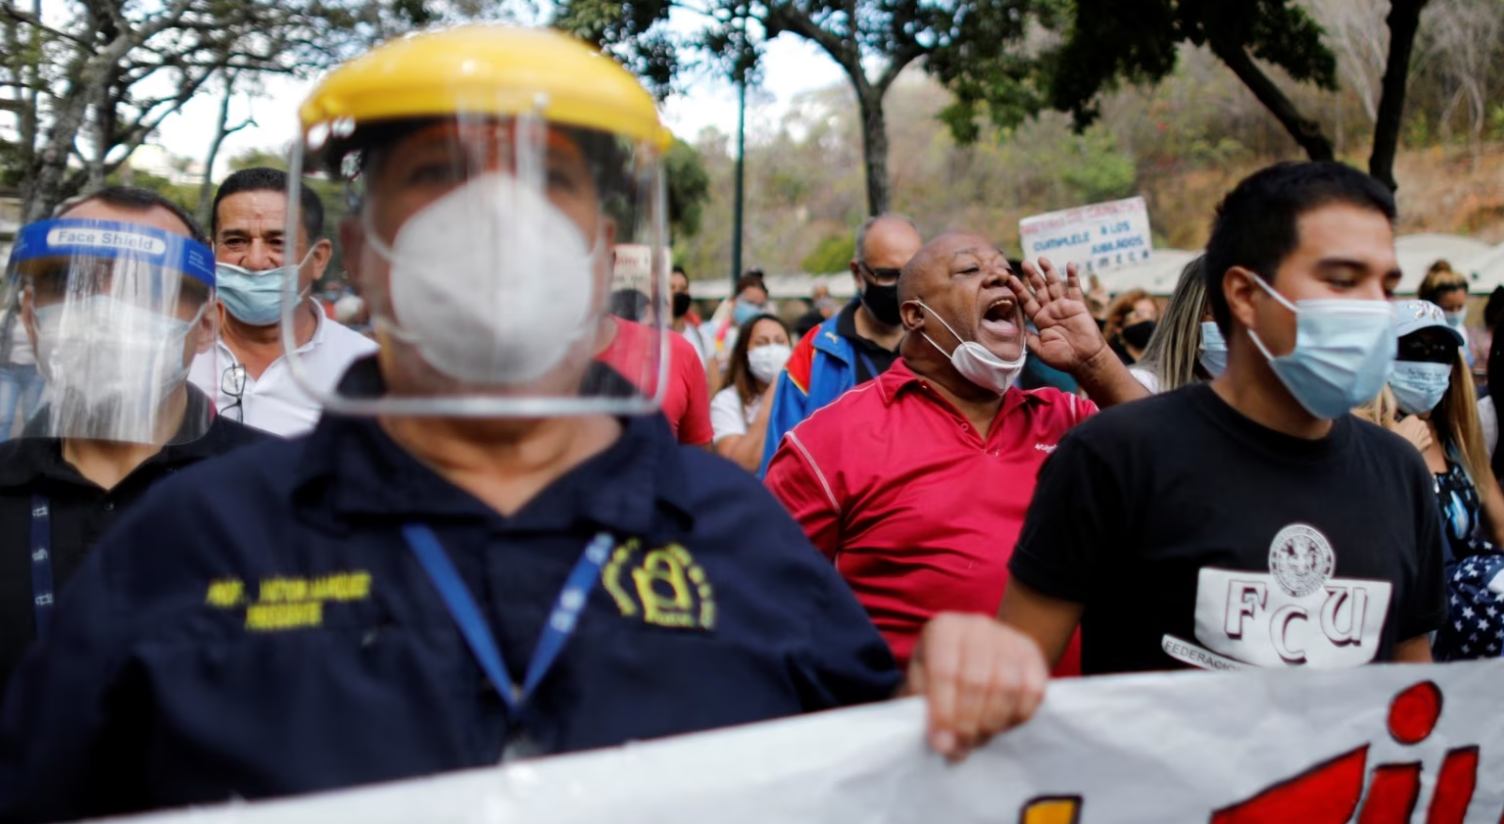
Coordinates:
485 247
115 313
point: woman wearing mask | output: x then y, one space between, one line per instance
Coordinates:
1448 290
1130 325
1433 390
1188 347
739 413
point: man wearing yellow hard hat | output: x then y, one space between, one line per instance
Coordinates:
491 547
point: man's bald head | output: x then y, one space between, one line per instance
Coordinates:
886 241
929 268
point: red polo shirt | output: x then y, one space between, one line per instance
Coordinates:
686 397
916 510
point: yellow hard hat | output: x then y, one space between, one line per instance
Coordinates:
488 69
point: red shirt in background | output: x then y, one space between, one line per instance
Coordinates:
918 513
686 398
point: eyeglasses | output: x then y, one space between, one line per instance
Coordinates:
881 276
232 383
1427 349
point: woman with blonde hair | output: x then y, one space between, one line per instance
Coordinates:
1187 347
1431 382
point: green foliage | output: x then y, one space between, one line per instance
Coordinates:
833 254
688 188
1108 41
1093 167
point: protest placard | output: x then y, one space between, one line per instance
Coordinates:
1100 238
1391 743
633 268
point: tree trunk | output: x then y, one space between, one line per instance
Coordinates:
1306 132
874 146
1403 20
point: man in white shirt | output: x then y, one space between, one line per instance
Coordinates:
254 383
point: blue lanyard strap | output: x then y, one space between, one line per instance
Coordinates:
472 625
41 560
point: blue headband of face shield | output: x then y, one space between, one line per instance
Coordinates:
78 237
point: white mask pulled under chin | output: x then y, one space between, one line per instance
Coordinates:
976 363
491 283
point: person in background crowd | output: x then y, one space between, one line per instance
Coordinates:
1433 389
1196 528
114 332
249 379
1448 289
684 320
1130 325
1489 410
821 307
915 484
1187 346
679 282
856 345
686 397
739 413
447 556
350 311
1098 300
20 382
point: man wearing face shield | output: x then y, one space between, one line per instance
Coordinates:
915 485
116 295
253 383
856 345
491 546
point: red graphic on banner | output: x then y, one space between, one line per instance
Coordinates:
1328 793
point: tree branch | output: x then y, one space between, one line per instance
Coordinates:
23 17
1305 131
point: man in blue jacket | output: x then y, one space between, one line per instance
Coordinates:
856 345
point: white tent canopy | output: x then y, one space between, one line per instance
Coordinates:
1418 252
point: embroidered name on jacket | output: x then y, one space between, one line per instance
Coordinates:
288 603
1297 614
664 586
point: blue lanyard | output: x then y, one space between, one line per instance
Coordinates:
41 560
467 615
867 362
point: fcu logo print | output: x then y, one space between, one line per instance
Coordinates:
1296 614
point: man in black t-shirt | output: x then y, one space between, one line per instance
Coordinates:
1250 522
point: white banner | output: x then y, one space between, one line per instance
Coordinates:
1379 744
1100 238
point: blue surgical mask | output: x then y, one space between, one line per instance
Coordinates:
1213 349
1344 350
747 311
1419 386
1457 318
254 298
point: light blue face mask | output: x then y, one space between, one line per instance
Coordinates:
254 298
1344 351
747 311
1419 386
1213 349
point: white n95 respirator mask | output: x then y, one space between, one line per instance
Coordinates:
492 284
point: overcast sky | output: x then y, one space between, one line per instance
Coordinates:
791 66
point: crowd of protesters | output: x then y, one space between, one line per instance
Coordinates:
474 504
